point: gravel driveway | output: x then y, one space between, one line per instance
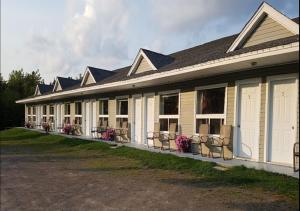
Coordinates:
62 182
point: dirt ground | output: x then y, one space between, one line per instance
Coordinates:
45 182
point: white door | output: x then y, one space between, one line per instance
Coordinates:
137 120
87 118
149 117
282 121
248 121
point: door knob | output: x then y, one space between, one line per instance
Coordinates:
293 127
239 126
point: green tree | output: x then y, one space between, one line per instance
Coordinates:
19 85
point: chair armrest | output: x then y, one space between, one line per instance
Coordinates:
217 141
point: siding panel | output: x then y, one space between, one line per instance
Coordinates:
267 30
187 120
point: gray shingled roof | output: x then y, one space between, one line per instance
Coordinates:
100 74
44 88
158 60
213 50
68 82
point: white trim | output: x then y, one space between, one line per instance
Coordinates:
271 79
210 116
103 115
56 84
122 97
201 67
137 60
236 113
174 91
37 91
121 116
87 70
263 10
212 86
144 114
168 116
103 98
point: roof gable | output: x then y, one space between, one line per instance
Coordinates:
147 60
263 16
147 64
37 91
93 75
57 86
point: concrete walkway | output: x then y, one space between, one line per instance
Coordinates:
286 170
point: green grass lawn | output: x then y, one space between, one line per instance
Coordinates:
21 141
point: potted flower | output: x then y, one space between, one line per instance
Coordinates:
67 129
28 125
183 144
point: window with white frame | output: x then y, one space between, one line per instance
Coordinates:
168 110
51 113
103 111
122 111
67 114
34 114
44 116
78 113
210 108
29 117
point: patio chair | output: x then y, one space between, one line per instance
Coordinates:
296 156
203 138
155 136
172 137
121 134
222 142
94 130
102 128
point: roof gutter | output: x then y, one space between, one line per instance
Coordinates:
278 50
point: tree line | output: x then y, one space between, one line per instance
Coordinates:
19 85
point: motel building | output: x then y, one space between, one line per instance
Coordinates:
248 81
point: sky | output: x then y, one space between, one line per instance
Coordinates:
62 37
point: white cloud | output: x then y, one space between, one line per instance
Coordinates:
108 33
96 35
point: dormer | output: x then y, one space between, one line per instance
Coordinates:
41 89
267 24
93 75
147 60
64 83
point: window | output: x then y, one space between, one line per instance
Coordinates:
78 113
210 109
29 110
67 118
34 110
44 117
33 114
103 112
44 110
122 107
168 111
122 112
169 104
78 108
67 109
103 107
51 110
